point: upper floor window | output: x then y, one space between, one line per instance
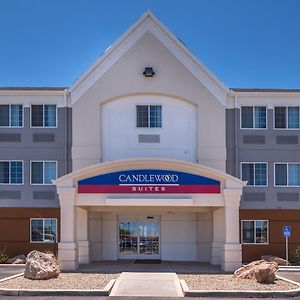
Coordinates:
43 172
11 172
254 117
255 173
287 174
255 232
11 115
43 230
287 117
43 115
148 116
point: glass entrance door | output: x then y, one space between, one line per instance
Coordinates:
139 239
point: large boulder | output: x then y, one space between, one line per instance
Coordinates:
19 259
280 261
40 265
260 270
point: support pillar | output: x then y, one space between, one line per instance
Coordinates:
67 247
82 236
217 243
232 249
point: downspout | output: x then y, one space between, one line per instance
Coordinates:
66 92
236 115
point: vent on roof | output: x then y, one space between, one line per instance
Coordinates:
254 139
43 137
10 194
254 197
10 137
288 196
287 139
149 138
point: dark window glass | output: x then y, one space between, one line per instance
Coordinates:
281 174
37 172
37 230
37 116
50 115
293 117
261 232
248 232
260 174
155 115
247 117
16 172
142 116
248 173
4 172
4 115
260 114
16 115
43 230
280 117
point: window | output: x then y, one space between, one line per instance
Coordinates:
255 232
43 230
287 174
287 117
11 172
43 172
11 115
255 173
254 117
148 116
43 115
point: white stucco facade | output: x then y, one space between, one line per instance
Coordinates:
200 226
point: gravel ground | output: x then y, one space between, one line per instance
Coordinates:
86 281
227 282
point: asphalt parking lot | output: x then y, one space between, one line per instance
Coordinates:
10 270
295 276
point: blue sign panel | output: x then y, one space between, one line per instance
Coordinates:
287 231
149 181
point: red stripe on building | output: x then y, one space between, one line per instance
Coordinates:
118 189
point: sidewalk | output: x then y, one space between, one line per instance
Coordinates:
148 280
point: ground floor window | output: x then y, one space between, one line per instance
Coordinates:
255 232
43 230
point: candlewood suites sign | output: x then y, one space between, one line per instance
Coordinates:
149 182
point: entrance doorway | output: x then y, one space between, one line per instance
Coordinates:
139 238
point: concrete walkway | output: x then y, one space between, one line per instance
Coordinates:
145 280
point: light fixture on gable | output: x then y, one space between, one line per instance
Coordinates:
148 72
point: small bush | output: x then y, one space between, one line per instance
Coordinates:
296 255
3 255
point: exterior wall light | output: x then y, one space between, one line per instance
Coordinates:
148 72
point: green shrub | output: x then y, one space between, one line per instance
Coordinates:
296 255
3 255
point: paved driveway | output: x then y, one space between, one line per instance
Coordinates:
295 276
9 270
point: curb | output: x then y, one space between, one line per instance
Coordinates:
241 294
22 292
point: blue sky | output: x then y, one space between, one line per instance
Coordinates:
245 43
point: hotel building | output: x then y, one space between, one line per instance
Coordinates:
149 156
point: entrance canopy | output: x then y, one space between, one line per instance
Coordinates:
153 177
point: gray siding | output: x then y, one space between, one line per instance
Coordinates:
270 145
36 144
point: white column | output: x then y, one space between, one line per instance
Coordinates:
67 247
232 249
82 236
218 237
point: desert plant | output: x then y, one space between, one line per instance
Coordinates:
3 255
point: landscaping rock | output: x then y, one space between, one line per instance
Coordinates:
280 261
260 270
40 265
19 259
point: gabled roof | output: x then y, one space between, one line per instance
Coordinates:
148 22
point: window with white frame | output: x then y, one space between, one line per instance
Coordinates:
253 117
11 115
287 117
43 115
43 230
255 173
11 172
43 172
148 116
255 232
287 174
